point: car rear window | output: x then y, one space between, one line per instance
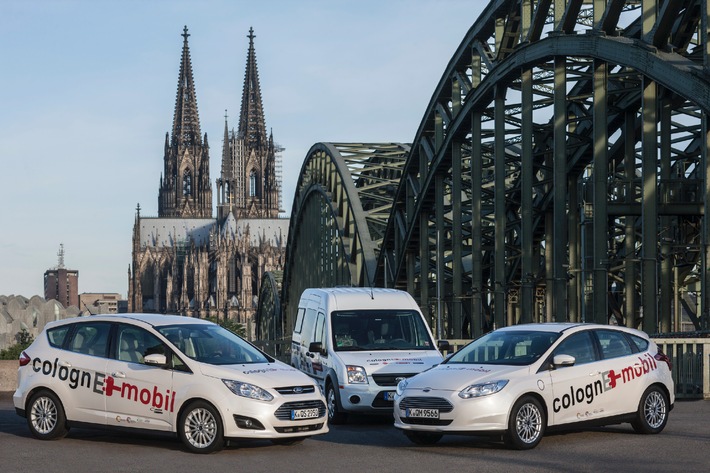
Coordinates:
56 336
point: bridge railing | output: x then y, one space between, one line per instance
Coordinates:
279 349
691 365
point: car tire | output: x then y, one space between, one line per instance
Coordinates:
335 416
45 416
526 424
652 414
200 428
423 438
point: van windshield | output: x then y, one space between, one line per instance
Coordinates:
379 330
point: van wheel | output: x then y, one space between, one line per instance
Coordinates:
652 414
200 428
45 416
335 417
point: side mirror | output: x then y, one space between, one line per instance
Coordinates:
156 359
443 345
563 360
316 347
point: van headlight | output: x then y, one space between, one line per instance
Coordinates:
482 389
248 390
401 386
356 374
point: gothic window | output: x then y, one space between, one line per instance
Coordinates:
187 183
252 184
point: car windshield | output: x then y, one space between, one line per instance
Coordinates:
212 344
508 347
379 330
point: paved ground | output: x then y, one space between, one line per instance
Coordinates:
367 445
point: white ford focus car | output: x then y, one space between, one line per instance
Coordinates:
165 373
520 380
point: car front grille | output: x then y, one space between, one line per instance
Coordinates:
418 421
296 390
390 379
423 402
284 411
298 428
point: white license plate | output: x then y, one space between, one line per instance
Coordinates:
389 395
298 414
423 413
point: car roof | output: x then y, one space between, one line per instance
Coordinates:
149 319
559 327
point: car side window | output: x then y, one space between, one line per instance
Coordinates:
135 343
579 345
319 335
614 344
90 338
641 344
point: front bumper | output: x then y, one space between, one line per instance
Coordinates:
273 420
486 414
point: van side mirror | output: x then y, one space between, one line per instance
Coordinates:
444 345
316 347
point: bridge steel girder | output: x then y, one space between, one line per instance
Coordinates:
606 100
340 210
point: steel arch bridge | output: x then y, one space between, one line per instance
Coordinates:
560 172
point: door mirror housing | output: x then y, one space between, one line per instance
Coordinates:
156 359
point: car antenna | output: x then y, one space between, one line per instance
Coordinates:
87 308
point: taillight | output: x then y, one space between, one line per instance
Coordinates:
660 356
24 359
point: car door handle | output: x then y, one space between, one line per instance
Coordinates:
118 374
66 364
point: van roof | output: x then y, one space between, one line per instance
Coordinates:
362 298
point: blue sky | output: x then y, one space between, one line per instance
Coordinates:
87 93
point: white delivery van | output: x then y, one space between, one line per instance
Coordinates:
358 343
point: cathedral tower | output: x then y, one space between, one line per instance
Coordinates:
248 185
185 188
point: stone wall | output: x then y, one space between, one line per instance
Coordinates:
18 312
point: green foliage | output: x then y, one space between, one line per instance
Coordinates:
24 339
231 325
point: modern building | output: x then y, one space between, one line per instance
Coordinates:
99 303
186 261
62 284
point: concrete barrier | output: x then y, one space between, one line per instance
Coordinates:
8 375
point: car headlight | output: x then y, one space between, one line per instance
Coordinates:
483 389
356 374
401 386
247 390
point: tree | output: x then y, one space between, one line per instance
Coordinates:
24 339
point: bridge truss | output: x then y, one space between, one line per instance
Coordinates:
560 172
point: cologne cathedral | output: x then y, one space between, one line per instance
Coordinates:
185 261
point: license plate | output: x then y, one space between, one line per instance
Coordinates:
423 413
389 395
298 414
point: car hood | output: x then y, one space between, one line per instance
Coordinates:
392 361
264 375
454 377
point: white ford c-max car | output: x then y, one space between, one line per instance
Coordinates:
520 380
165 373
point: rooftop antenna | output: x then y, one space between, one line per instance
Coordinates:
60 264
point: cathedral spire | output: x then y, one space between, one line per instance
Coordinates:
186 120
252 128
185 189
